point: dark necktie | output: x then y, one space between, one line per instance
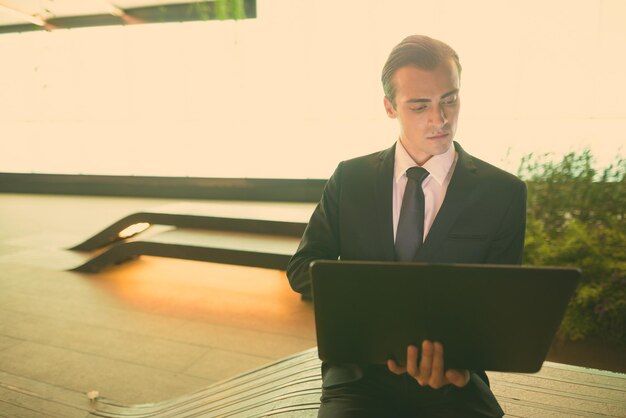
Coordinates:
410 232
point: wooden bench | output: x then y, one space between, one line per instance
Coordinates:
256 234
226 247
290 388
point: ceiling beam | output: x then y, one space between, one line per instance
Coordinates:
185 12
11 9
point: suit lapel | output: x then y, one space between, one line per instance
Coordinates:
384 201
462 185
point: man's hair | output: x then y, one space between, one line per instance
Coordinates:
419 51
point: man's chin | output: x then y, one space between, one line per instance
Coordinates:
440 146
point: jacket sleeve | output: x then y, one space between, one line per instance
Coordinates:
508 244
320 239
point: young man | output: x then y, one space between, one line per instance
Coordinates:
468 212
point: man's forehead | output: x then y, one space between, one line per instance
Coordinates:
411 80
424 99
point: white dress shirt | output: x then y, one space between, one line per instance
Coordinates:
440 167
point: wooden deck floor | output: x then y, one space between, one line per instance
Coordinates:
148 331
143 332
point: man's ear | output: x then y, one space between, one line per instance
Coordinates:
391 112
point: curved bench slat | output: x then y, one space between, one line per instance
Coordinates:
275 218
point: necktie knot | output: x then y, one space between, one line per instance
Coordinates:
418 174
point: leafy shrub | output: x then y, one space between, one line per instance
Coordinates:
576 218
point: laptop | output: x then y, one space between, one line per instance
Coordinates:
488 317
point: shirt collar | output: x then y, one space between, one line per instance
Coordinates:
438 165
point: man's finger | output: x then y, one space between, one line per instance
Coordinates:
411 360
458 378
437 378
395 368
426 363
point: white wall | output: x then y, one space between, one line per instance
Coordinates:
296 90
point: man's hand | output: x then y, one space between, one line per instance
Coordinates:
430 371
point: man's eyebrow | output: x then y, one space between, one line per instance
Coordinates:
450 93
418 101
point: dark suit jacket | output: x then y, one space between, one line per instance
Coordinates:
482 220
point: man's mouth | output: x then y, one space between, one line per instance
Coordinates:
441 135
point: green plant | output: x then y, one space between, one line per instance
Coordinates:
229 9
576 218
217 9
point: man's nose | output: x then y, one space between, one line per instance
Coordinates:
438 117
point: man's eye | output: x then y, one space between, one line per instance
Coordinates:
450 100
418 109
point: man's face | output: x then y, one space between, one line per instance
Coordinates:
427 109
